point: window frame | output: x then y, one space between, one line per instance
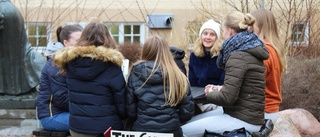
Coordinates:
39 48
296 33
121 36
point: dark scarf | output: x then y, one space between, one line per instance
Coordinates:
239 42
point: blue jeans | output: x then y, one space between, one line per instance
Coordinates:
58 122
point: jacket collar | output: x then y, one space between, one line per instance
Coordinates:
67 54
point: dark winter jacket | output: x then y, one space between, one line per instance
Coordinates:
178 55
145 104
96 87
242 95
52 97
204 71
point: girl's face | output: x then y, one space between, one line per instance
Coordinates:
208 38
74 37
226 32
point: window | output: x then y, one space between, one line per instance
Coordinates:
300 32
125 32
38 35
114 31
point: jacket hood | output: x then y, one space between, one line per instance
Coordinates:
144 69
177 52
89 59
259 52
52 48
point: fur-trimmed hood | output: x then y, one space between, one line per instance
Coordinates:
62 57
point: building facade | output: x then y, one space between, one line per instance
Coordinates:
134 20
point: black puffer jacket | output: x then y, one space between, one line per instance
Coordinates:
178 55
145 104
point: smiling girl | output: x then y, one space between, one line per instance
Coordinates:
202 64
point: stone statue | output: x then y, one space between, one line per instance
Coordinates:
20 64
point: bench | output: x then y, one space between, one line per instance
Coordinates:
40 132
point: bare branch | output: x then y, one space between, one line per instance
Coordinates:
231 4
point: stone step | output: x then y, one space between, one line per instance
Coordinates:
17 132
17 117
17 114
20 104
10 122
24 101
23 128
18 122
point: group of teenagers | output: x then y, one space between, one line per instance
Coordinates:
83 90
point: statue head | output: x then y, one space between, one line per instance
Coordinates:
11 25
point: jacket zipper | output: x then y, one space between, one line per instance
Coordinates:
50 105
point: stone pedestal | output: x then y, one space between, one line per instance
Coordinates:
25 101
18 115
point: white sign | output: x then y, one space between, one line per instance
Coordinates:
118 133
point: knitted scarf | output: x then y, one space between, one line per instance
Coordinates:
242 41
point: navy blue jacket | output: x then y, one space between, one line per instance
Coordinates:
146 103
96 88
52 97
204 71
178 55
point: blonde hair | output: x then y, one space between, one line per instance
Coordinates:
157 49
238 21
199 50
267 25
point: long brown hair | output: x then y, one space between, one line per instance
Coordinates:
96 34
157 49
268 28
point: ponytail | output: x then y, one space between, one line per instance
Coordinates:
248 20
63 33
58 34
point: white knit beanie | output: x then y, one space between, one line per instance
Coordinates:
211 24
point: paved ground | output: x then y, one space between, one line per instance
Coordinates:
24 130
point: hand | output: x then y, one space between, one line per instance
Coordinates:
218 88
210 88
